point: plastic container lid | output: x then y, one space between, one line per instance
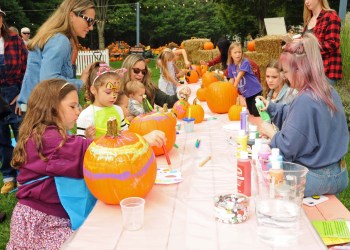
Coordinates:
188 119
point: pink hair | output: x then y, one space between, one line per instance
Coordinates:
306 68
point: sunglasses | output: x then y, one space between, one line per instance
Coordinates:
137 71
26 33
90 21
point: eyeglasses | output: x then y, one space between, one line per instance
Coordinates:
137 71
26 33
90 21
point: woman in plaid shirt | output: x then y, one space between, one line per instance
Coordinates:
325 24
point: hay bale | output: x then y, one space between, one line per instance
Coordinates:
194 44
270 45
205 55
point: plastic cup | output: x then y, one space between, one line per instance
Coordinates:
278 202
133 213
188 124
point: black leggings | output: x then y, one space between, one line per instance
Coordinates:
251 105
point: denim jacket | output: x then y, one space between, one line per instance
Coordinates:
53 61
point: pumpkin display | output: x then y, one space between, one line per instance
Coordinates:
251 46
211 76
192 76
156 120
195 111
234 113
180 108
221 96
201 94
208 45
119 165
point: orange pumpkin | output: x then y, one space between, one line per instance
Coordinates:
197 68
192 76
251 46
221 96
208 46
195 111
234 113
201 94
119 165
180 108
209 77
204 69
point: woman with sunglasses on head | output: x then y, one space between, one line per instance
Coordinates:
138 70
50 50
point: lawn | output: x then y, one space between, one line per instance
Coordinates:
7 202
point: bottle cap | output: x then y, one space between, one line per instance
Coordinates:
244 109
253 128
243 155
241 132
275 152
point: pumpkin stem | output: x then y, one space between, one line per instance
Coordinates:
112 127
165 107
146 105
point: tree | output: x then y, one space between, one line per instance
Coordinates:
101 15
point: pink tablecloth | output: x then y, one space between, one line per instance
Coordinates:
180 216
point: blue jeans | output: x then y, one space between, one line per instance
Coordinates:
9 92
328 180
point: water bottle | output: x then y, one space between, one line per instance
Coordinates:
244 119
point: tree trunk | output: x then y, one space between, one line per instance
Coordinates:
101 14
101 32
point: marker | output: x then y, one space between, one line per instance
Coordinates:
198 142
204 161
176 146
166 155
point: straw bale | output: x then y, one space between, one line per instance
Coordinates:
269 44
194 44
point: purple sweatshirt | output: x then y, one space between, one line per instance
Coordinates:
66 161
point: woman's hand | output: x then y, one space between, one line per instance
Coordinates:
90 132
203 62
267 129
155 138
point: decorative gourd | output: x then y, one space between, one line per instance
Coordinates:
195 111
221 96
180 108
234 113
251 45
208 46
156 120
209 77
119 165
201 94
192 76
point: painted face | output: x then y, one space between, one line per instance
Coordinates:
106 95
138 95
138 71
69 110
312 4
82 23
124 104
236 54
274 79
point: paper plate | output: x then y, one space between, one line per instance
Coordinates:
236 126
168 176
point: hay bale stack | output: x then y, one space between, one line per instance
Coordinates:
205 55
192 45
270 45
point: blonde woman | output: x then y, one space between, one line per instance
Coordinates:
50 50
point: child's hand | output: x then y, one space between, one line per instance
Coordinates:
155 138
185 92
90 132
188 64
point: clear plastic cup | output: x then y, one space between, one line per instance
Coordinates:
188 124
133 213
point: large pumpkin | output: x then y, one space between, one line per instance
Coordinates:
180 108
208 46
192 76
195 111
201 94
221 96
156 120
119 165
209 77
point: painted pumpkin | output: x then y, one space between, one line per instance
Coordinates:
251 46
195 111
201 94
180 108
119 165
156 120
208 45
221 96
192 76
197 68
211 76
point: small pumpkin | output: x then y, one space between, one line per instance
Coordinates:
192 76
201 94
197 68
251 45
234 113
221 96
208 45
180 108
119 165
204 69
195 111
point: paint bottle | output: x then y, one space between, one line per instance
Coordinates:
263 155
276 172
242 142
244 174
263 114
253 134
244 119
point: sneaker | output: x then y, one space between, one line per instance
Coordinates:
7 187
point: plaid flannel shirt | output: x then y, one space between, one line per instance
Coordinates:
16 54
327 30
